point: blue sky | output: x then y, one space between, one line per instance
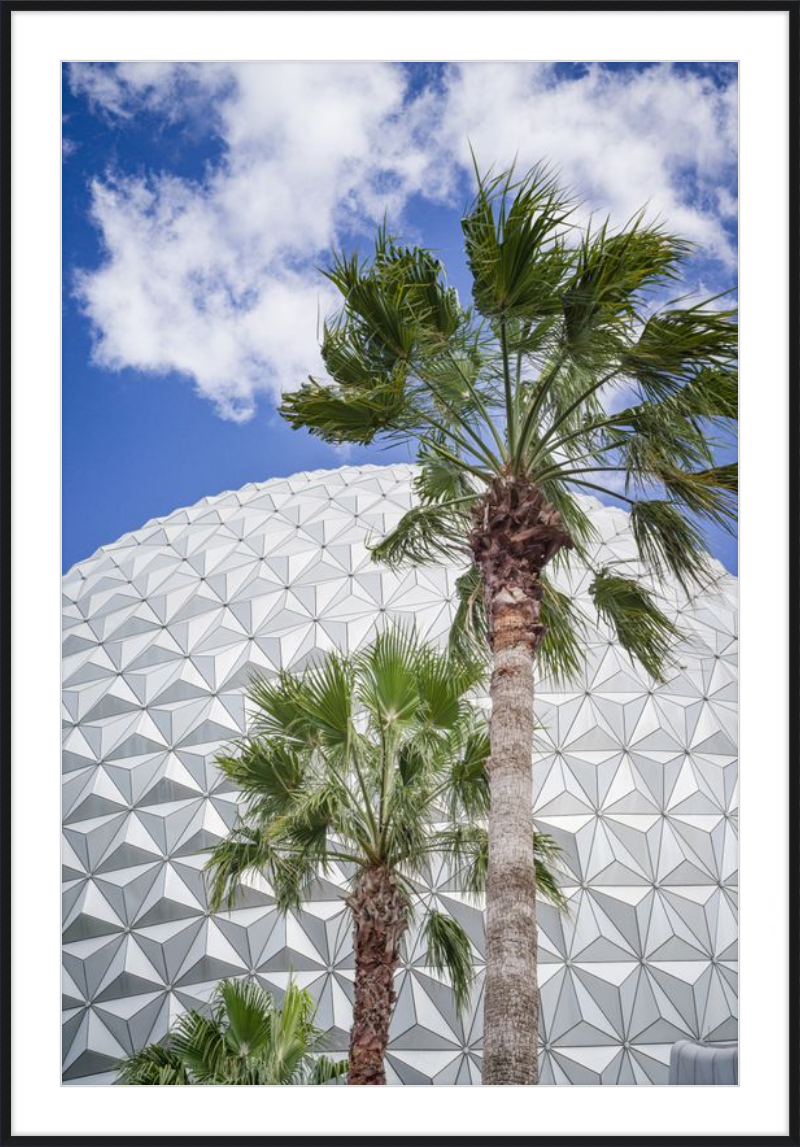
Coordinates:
200 200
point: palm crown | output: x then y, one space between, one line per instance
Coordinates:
517 395
244 1039
373 763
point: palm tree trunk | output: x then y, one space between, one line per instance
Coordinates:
379 919
511 996
515 534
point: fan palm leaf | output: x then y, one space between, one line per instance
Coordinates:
244 1039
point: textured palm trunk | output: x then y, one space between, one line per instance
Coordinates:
515 533
511 997
379 921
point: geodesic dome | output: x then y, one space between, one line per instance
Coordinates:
637 782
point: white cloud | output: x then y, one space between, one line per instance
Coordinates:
216 279
68 146
623 139
122 90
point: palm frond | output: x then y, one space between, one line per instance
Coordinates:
546 854
153 1065
418 278
268 772
467 782
468 846
313 709
351 362
251 851
199 1042
642 629
249 1010
613 272
305 828
451 381
655 436
512 238
561 653
338 416
241 854
245 1039
408 824
443 683
383 309
710 493
669 542
441 480
468 630
396 305
712 392
291 877
675 344
423 534
328 1070
294 1037
450 952
387 683
567 387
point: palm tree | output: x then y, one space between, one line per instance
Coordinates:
573 372
245 1040
374 762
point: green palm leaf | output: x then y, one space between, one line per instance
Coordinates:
267 772
450 952
249 1011
313 710
707 493
669 542
467 784
231 860
328 1070
561 653
468 628
246 1039
425 533
339 416
641 628
153 1065
514 246
674 343
468 845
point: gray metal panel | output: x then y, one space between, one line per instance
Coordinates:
703 1064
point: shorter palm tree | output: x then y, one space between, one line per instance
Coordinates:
373 763
246 1039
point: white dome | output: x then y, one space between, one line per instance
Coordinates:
161 632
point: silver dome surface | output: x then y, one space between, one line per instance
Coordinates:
637 781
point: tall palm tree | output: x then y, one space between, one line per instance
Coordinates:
373 762
572 372
245 1040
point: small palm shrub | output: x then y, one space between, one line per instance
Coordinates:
246 1039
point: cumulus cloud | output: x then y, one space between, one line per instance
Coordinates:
119 91
216 278
661 137
68 146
